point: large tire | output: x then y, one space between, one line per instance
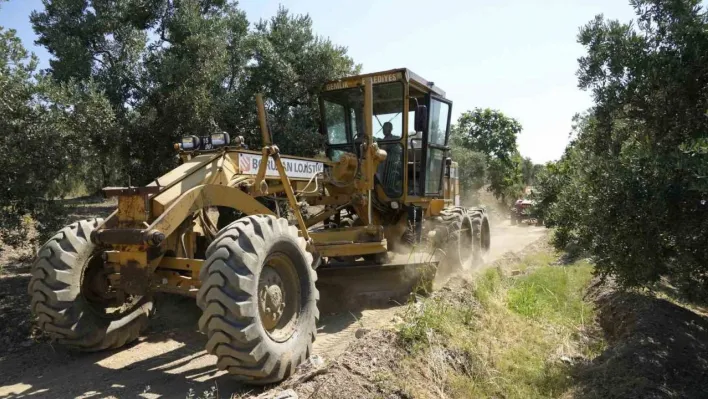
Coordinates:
481 233
62 305
460 240
237 275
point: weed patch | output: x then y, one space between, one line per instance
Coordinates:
501 336
552 293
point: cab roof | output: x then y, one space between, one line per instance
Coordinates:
390 75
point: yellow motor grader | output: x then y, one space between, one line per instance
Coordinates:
387 189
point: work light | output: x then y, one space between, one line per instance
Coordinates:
190 143
220 139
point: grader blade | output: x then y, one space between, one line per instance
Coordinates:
358 285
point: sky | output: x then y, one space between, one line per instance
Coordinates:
516 56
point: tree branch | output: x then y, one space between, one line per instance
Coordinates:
207 6
163 29
124 76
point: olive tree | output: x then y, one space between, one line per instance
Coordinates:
632 189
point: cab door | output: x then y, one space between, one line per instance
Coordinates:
435 141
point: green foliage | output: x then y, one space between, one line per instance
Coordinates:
415 334
128 78
24 180
171 68
487 285
290 64
485 142
556 177
506 178
632 189
489 132
530 171
84 115
47 132
188 74
471 165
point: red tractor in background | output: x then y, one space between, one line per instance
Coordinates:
524 209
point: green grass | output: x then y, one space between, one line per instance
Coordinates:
510 340
434 317
488 285
538 259
552 293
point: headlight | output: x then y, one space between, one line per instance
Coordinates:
220 139
190 143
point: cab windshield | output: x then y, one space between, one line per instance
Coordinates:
343 113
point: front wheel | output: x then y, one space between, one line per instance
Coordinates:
259 299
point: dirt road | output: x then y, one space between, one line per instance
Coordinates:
170 360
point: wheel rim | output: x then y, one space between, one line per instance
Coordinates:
100 295
278 297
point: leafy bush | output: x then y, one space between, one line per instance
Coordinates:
483 142
632 188
46 133
472 167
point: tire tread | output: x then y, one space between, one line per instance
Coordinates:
229 287
55 288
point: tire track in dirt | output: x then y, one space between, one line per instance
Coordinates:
170 360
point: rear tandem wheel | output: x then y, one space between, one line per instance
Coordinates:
465 237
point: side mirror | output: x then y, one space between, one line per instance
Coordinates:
421 118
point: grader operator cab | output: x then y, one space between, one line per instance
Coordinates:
388 190
408 115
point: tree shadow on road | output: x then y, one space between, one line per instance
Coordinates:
168 360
